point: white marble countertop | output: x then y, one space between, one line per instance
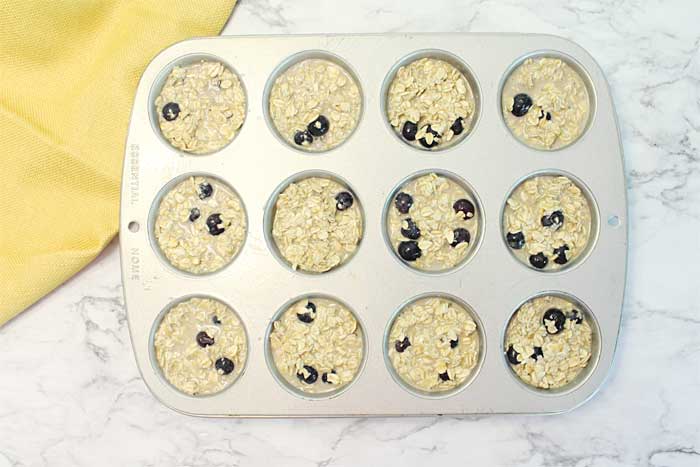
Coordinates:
70 393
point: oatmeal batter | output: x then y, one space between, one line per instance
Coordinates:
432 223
548 342
201 107
315 104
430 103
317 224
201 225
433 344
201 346
317 345
545 103
547 221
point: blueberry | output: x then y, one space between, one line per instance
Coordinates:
308 316
560 254
512 355
464 206
454 343
412 231
203 339
400 346
409 251
458 126
303 137
521 104
225 365
444 376
409 131
194 214
539 260
215 319
318 127
205 190
537 352
555 316
343 201
435 140
403 202
460 236
170 111
576 317
305 317
556 219
213 222
324 377
515 240
313 375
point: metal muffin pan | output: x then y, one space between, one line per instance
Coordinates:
373 284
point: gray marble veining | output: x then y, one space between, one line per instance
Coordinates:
70 393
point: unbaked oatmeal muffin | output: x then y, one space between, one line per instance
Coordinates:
434 344
317 345
315 104
201 346
432 223
317 224
548 342
547 222
200 225
545 103
201 107
430 103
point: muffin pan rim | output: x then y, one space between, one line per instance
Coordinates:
577 67
153 216
456 61
154 329
438 394
143 285
466 186
585 373
592 205
295 59
272 367
271 208
159 82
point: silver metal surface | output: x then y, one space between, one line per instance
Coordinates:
373 283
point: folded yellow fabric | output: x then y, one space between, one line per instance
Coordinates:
68 71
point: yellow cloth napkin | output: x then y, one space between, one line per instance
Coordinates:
68 72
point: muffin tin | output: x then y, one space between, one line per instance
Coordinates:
373 283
